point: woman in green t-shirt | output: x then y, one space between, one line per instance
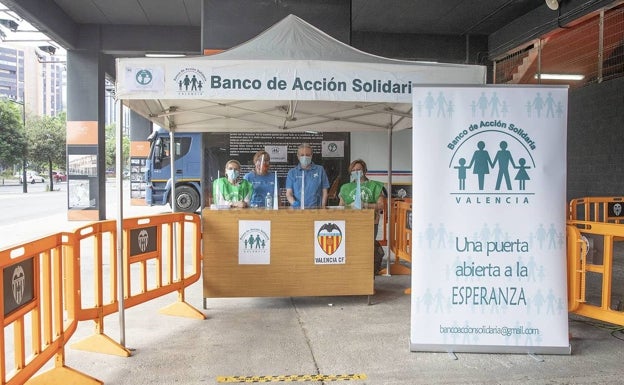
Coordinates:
229 190
372 193
371 190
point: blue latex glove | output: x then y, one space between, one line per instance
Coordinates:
296 204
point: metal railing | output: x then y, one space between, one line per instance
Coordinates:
596 258
401 242
64 278
592 47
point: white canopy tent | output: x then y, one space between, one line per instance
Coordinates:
292 77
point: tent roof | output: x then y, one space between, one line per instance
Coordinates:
290 77
294 39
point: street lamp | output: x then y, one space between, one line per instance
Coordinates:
24 181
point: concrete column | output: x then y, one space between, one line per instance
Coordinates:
85 134
140 128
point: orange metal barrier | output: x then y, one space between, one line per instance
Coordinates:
149 245
592 290
33 311
597 209
401 235
49 279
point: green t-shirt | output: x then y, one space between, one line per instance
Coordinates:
371 191
223 192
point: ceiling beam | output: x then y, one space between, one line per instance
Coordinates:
138 40
48 18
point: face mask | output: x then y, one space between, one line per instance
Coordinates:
305 160
232 174
355 175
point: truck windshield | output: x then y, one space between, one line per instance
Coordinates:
161 151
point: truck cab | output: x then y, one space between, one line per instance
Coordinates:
187 150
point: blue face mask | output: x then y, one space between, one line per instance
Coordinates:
355 175
232 174
305 160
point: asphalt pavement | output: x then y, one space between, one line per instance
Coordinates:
312 340
40 212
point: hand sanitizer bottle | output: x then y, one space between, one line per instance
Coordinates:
268 202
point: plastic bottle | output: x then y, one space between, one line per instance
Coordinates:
268 201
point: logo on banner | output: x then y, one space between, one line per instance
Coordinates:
143 240
144 77
491 157
254 242
18 284
486 162
329 238
330 242
615 209
190 82
279 154
332 149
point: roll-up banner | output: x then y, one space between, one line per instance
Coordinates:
488 225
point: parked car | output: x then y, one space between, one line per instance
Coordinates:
59 176
32 177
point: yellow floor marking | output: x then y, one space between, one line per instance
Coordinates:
292 378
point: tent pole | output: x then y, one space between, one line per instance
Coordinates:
174 205
120 238
389 200
172 164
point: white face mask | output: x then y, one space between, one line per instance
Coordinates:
355 175
305 160
231 174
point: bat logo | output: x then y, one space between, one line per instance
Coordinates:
18 283
143 240
329 238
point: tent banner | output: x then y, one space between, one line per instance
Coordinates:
277 80
489 217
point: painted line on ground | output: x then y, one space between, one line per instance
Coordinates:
292 378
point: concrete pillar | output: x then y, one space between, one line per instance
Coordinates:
86 160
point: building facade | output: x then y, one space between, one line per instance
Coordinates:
29 76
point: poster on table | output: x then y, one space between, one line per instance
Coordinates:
488 225
254 242
331 237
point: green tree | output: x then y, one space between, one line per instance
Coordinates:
13 142
47 142
111 147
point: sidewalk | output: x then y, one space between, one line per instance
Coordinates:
314 339
329 336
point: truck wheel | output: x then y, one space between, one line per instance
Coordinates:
187 199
